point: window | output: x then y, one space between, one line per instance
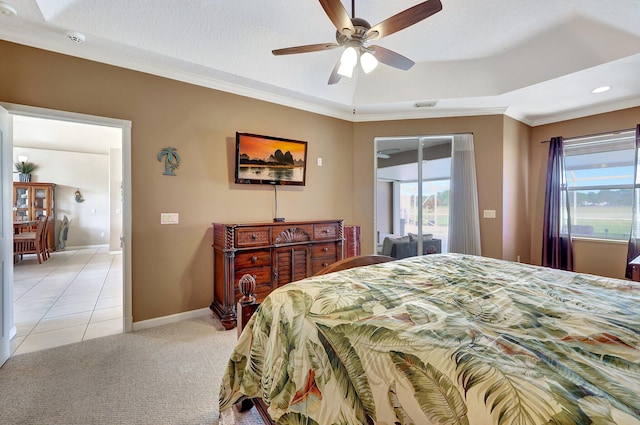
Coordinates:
599 184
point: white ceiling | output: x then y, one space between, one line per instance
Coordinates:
48 134
536 61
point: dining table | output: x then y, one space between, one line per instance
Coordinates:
23 226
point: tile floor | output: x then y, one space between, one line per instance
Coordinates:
73 296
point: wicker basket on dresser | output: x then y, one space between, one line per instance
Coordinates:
273 253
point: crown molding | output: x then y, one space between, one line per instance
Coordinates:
603 108
432 113
251 88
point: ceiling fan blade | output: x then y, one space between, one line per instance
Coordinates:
305 49
404 19
334 78
339 16
391 58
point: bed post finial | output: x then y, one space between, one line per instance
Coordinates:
247 285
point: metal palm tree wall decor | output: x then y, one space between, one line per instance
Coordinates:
171 160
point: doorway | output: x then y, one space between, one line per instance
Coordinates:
83 252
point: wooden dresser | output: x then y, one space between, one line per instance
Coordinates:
273 253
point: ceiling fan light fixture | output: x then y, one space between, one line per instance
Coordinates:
348 61
368 62
346 70
349 57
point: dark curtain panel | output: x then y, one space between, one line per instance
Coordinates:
557 251
633 249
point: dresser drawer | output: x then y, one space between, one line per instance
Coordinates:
318 264
253 236
258 258
262 275
260 293
323 250
325 231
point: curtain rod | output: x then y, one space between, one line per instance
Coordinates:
596 134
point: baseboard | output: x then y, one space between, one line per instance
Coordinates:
77 247
159 321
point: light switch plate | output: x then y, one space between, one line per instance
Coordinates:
169 218
489 214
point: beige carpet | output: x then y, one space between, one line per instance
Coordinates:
165 375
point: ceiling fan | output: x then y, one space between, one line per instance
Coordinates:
355 34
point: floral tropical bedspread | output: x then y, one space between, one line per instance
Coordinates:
443 339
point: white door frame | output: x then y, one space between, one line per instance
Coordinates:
125 125
6 244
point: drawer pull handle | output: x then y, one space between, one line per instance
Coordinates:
325 249
254 259
325 231
254 236
325 264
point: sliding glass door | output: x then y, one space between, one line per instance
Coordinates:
412 197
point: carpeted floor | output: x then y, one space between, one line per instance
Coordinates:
165 375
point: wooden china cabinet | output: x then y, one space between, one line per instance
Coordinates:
273 253
32 201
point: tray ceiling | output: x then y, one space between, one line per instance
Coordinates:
536 61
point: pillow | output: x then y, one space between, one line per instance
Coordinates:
425 237
388 242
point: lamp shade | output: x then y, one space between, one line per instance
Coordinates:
368 62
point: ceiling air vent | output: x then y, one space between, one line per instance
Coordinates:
426 104
76 37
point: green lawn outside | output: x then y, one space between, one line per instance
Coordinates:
615 220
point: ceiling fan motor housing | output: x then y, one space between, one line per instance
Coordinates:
360 25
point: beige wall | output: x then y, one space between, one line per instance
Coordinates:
591 256
515 220
172 265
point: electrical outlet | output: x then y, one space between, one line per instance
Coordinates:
489 214
169 218
319 162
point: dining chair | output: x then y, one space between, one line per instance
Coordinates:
44 240
30 242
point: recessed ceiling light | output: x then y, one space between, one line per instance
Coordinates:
7 9
425 104
76 37
600 89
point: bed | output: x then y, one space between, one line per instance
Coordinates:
443 339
